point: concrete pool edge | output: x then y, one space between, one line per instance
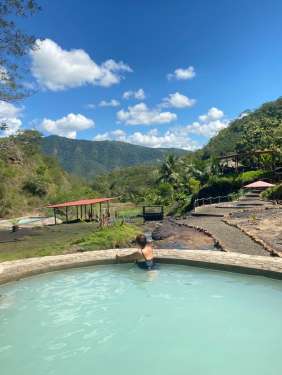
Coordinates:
234 262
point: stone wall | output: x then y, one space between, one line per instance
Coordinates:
257 265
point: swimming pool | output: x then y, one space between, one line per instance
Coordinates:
30 220
121 320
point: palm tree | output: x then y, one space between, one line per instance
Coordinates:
169 171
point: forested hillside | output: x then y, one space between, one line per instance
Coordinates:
29 179
92 158
260 129
129 184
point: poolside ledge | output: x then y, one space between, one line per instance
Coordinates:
249 264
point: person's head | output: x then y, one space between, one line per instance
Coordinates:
141 240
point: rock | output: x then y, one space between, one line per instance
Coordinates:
163 231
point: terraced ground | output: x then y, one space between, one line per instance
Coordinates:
229 237
210 218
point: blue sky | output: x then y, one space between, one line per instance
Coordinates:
188 68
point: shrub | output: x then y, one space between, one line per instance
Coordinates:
251 176
36 186
115 236
194 185
273 193
219 186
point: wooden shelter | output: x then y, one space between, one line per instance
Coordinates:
84 208
233 160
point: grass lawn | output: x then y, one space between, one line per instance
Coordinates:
130 212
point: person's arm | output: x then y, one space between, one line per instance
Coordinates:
136 255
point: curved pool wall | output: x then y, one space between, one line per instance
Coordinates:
248 264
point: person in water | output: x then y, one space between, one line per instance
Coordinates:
144 258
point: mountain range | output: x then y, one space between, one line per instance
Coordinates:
89 159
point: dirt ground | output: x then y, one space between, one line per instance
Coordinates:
265 225
48 240
167 235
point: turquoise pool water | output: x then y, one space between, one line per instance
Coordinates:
120 320
30 220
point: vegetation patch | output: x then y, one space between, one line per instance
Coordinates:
251 176
274 193
116 236
29 179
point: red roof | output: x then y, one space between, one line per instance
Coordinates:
259 184
82 202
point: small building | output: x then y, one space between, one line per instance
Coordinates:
258 185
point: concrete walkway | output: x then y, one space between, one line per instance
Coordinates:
209 217
229 237
248 201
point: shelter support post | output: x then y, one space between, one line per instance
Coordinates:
100 218
55 217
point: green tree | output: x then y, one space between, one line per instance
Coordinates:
169 171
14 44
261 133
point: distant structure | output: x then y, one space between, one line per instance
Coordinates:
234 160
153 213
258 185
84 210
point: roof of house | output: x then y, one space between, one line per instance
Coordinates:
82 202
258 184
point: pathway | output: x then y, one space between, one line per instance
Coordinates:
229 237
209 217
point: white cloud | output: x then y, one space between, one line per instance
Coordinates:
207 129
9 115
67 126
209 124
58 69
119 134
140 114
110 103
102 137
116 135
212 115
182 74
91 106
173 138
177 100
139 94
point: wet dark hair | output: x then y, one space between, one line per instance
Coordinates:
141 240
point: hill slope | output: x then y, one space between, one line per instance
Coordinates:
29 179
92 158
260 129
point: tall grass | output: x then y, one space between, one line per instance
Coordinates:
116 236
